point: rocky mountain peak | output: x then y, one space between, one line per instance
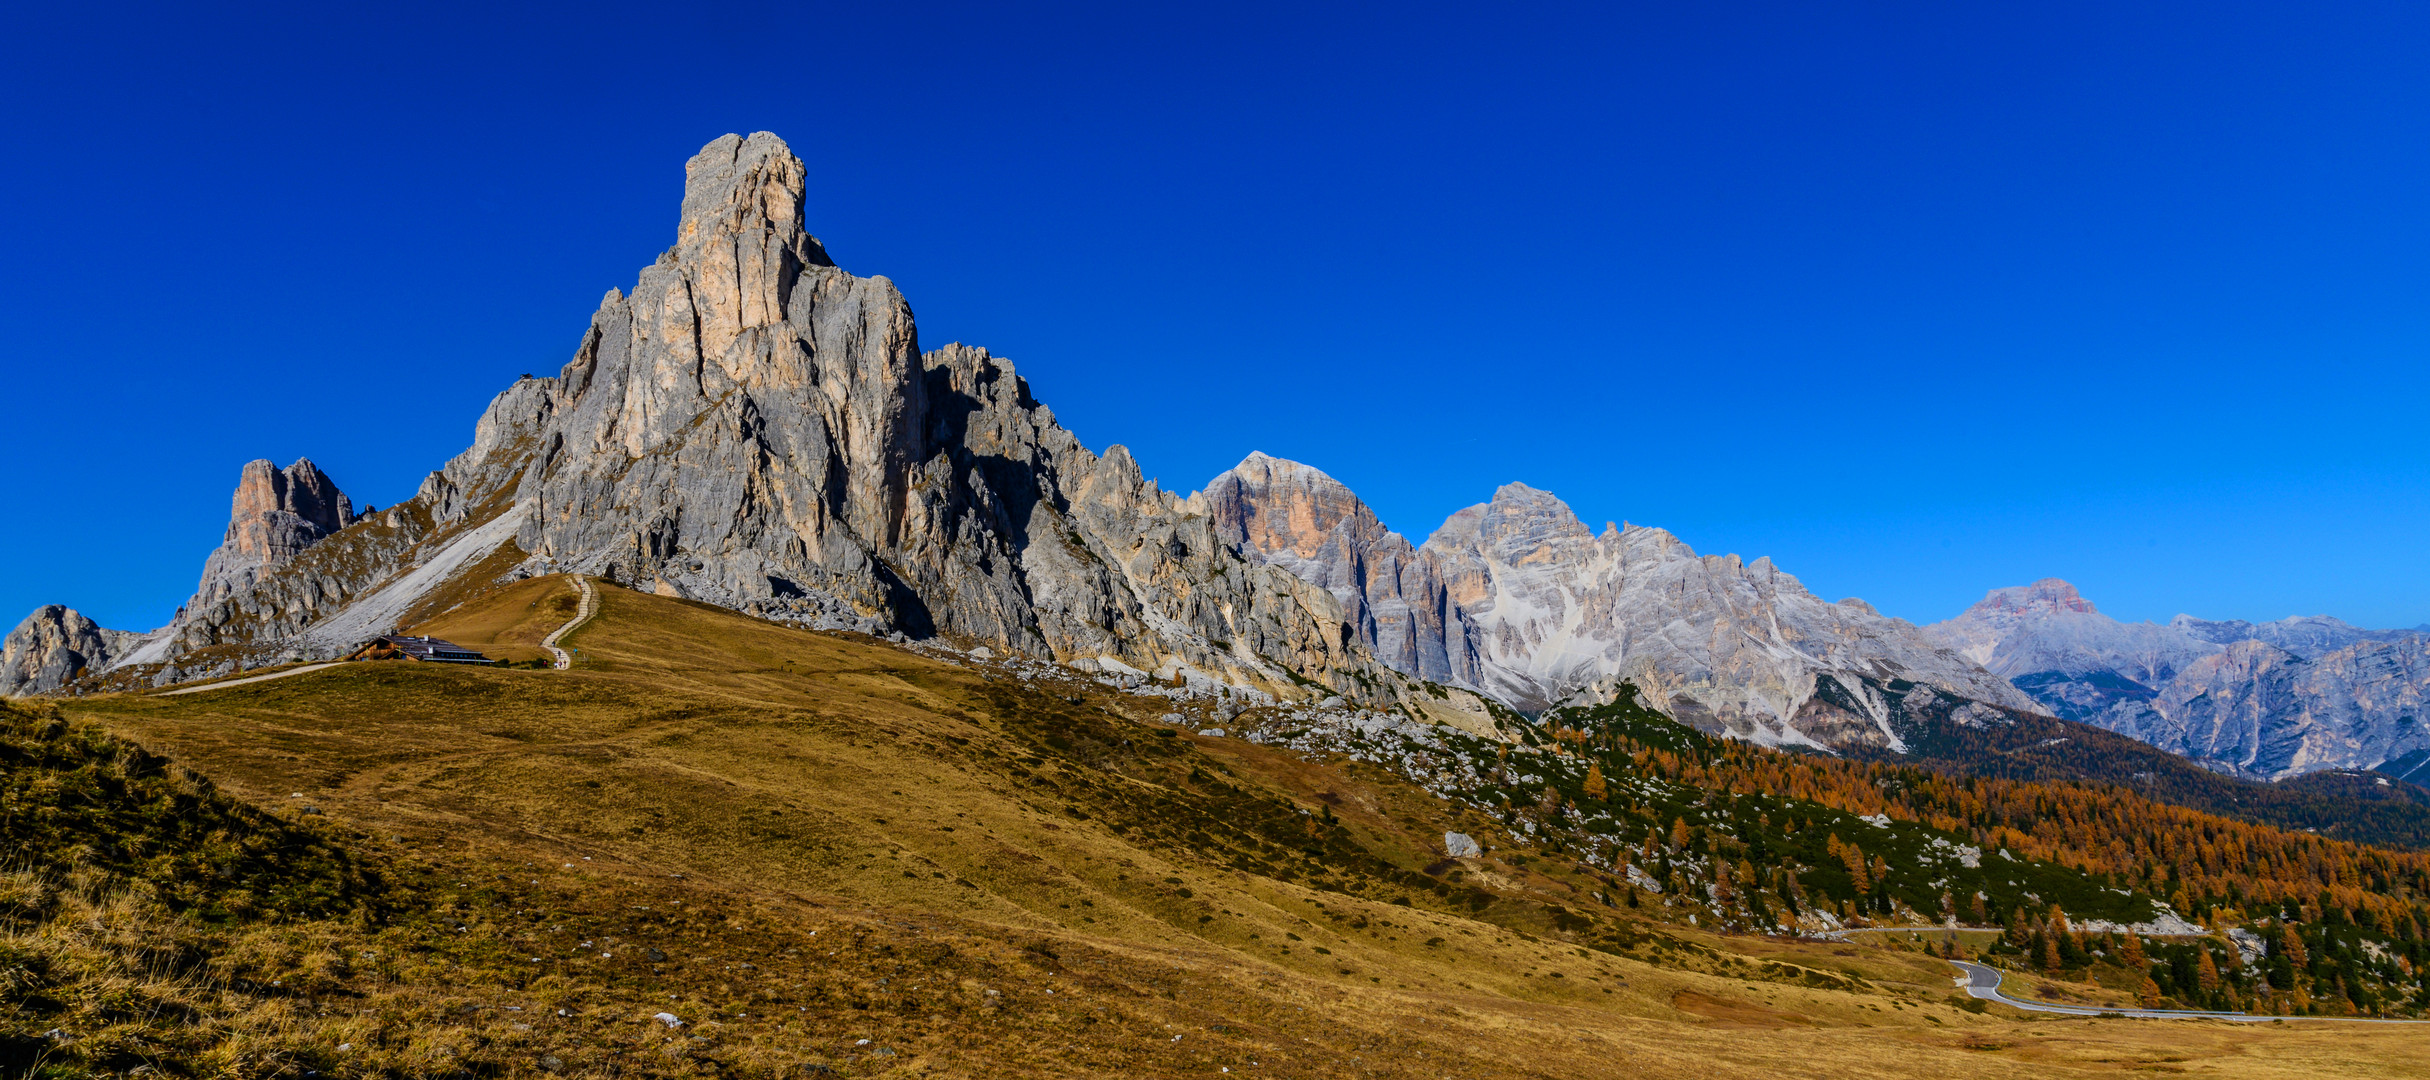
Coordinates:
274 515
1519 510
53 646
1518 522
2049 627
2265 699
751 426
2048 596
1516 599
1282 470
1517 501
2303 635
1264 469
740 187
1279 505
277 513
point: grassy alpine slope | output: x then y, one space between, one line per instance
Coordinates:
827 855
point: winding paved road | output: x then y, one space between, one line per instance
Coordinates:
582 614
1984 982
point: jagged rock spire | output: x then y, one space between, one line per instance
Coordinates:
751 426
276 513
273 516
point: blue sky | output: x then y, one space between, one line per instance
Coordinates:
1917 301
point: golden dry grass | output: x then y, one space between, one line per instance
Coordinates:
502 622
829 839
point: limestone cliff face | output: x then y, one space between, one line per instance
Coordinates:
268 579
54 646
274 515
1297 518
2272 712
752 426
1518 599
756 428
742 427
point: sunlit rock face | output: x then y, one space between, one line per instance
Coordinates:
754 427
52 647
1518 599
1296 518
273 516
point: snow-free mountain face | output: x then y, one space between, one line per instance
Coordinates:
2047 626
2262 699
1518 599
751 426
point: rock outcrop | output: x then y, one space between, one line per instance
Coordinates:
754 427
1517 599
54 646
2048 626
1296 518
274 515
275 518
2266 700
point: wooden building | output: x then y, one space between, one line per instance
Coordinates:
403 647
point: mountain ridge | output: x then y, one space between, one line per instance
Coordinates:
2270 700
1156 767
1518 599
753 427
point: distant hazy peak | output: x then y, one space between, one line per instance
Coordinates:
2304 635
2264 699
2048 596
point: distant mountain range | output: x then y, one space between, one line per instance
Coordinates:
1517 599
2264 700
755 428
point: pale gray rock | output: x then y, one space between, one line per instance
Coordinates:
274 515
1297 518
1516 599
55 646
269 577
2302 635
294 552
753 427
